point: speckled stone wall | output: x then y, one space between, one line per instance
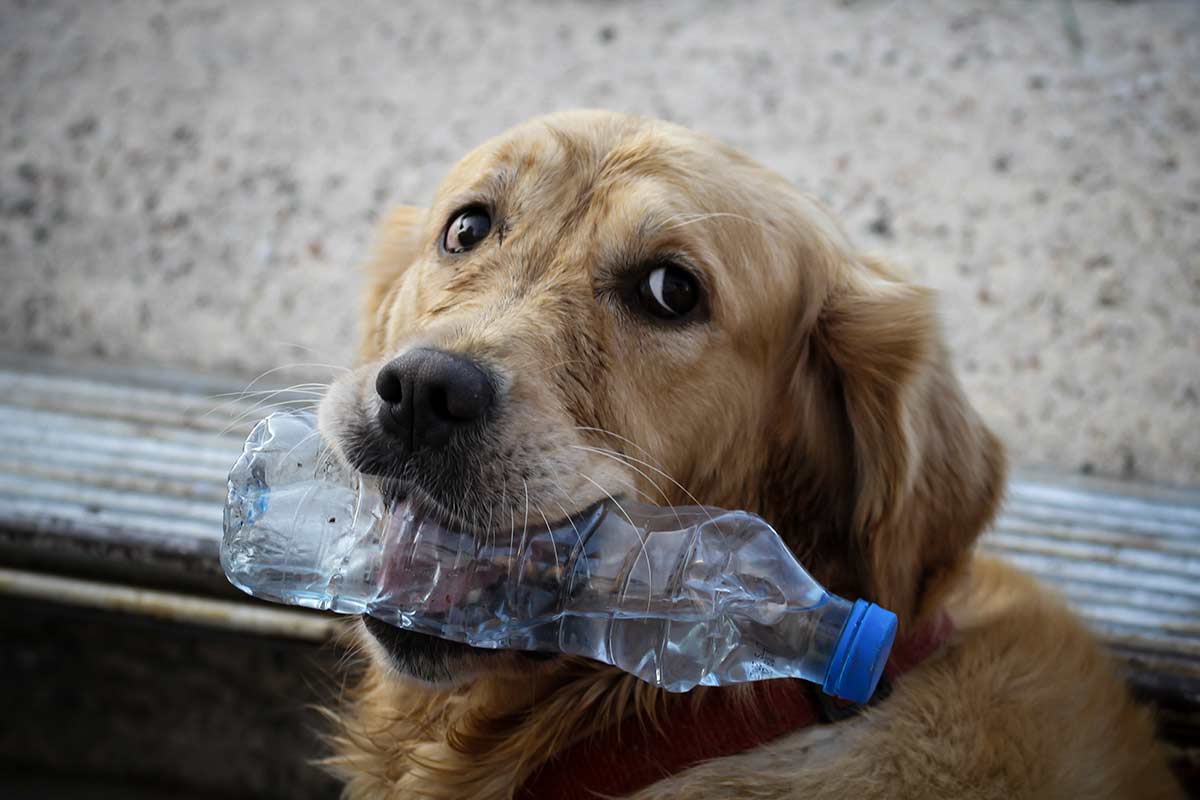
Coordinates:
191 184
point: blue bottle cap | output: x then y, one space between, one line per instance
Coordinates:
861 652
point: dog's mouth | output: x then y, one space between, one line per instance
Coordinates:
409 495
442 487
439 486
436 660
432 660
543 545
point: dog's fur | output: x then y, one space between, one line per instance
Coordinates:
816 391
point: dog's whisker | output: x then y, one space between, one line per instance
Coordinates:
632 488
618 436
512 537
296 365
487 531
689 219
513 524
327 456
243 393
258 408
503 500
681 487
549 530
525 521
578 535
263 395
641 538
296 403
646 464
621 458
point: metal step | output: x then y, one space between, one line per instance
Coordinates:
128 661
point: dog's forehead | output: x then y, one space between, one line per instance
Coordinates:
593 189
585 160
622 176
556 160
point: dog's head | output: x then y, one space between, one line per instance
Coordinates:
601 306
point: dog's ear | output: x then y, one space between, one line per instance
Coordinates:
397 245
928 474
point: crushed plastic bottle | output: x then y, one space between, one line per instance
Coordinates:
678 596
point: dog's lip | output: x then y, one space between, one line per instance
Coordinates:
458 585
404 645
409 494
429 509
397 642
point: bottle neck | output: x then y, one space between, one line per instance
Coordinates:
813 635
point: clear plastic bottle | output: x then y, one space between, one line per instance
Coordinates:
676 596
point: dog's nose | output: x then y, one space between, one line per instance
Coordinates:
429 394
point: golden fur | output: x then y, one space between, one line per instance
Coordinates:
818 394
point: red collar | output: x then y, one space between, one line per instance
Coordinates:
630 756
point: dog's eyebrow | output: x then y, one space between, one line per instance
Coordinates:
501 181
667 229
490 189
652 240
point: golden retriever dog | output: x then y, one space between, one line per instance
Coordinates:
598 305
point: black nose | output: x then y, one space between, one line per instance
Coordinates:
429 394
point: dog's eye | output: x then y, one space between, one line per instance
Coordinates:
468 228
669 292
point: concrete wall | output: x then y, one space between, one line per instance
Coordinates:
191 184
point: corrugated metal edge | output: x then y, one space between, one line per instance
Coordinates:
257 619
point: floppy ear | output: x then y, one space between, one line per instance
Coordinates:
396 247
928 474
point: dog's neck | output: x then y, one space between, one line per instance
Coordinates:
713 723
493 736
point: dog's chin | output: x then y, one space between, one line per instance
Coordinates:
436 663
439 663
428 660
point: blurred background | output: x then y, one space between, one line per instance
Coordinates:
191 184
186 188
